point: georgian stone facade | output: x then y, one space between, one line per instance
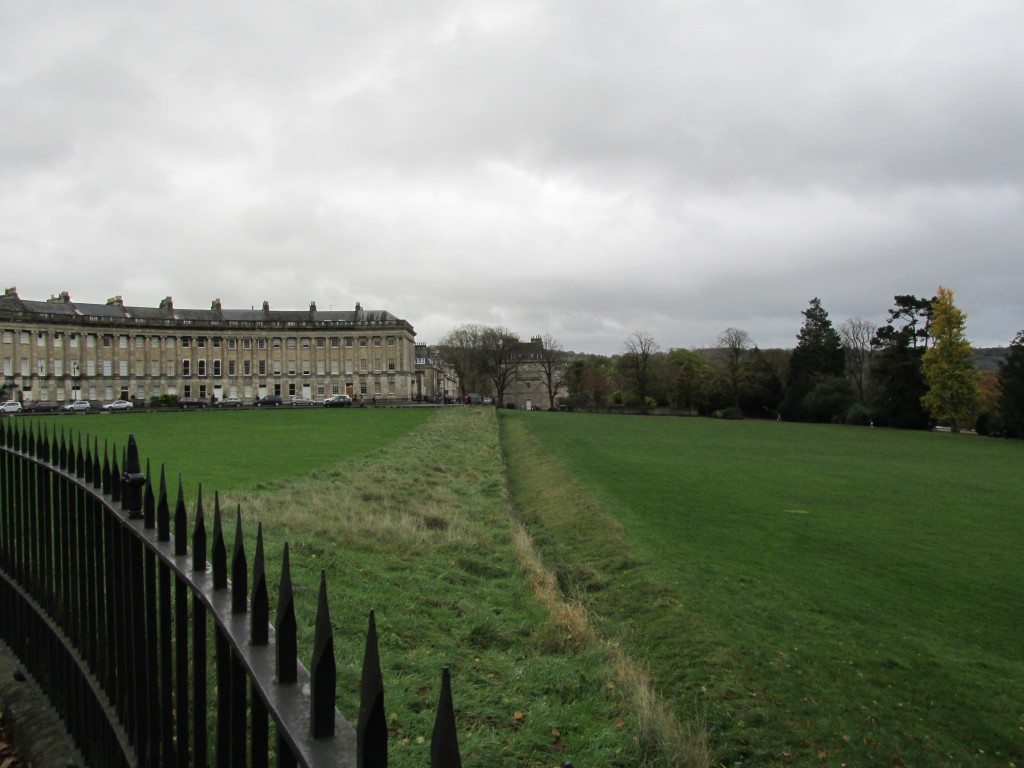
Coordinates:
58 350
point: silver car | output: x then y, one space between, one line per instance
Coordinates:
77 405
119 405
11 406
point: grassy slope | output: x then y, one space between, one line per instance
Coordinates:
419 530
835 595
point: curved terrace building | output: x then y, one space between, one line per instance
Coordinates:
58 350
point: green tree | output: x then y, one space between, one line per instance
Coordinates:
897 381
638 362
460 348
948 365
1011 383
818 354
760 385
499 358
732 344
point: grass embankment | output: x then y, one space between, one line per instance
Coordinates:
820 595
407 512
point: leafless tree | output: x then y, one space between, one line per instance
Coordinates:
637 361
500 356
733 343
553 363
856 334
460 348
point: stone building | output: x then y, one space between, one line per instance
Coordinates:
528 386
435 379
58 350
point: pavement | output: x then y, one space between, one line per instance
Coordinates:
31 723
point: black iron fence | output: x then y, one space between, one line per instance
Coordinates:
110 611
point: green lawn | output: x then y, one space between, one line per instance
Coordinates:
819 594
250 449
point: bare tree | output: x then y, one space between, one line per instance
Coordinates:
733 342
856 334
637 361
460 349
553 363
499 357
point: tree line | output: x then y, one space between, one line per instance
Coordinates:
914 371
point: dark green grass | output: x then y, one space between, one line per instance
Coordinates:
234 450
835 594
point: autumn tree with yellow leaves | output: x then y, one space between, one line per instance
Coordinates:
948 365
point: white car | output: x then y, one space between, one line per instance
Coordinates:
76 405
118 405
11 406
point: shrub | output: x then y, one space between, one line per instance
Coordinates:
733 413
616 397
164 401
990 424
858 415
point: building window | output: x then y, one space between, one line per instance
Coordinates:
320 367
140 393
170 368
321 342
202 391
261 343
74 368
200 367
246 343
216 367
348 366
216 342
376 341
8 366
186 342
108 393
391 365
391 341
305 342
291 389
154 342
247 367
362 364
362 388
123 368
277 367
376 386
348 341
90 367
277 390
8 337
58 340
263 367
73 340
335 368
277 342
232 343
154 368
305 367
335 342
188 390
362 341
90 340
335 389
140 341
186 367
170 342
201 342
320 390
108 368
40 339
231 368
107 340
291 343
24 337
122 342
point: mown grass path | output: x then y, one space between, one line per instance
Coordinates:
821 595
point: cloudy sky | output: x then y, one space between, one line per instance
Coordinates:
583 168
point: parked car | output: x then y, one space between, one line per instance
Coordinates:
299 400
269 400
11 406
229 402
77 405
119 405
488 401
338 401
192 402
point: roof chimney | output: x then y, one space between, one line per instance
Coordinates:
312 306
115 301
11 292
167 303
215 305
61 298
266 306
359 307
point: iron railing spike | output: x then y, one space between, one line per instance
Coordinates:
259 624
218 553
163 513
372 726
106 468
97 469
180 522
199 536
239 570
322 670
444 743
285 627
115 485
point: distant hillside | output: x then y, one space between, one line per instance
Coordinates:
988 358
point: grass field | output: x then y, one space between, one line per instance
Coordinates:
816 595
407 512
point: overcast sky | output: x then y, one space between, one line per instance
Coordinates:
582 168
